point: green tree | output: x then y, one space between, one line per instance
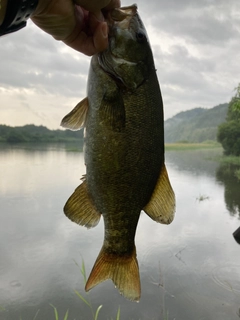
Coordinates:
15 137
234 106
229 131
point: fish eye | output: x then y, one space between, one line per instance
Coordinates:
140 36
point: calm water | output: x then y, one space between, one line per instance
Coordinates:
189 270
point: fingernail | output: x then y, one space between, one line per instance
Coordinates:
99 16
105 30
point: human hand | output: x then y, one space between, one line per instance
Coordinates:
79 24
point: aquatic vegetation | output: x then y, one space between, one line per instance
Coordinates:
56 313
181 145
87 300
229 160
202 198
231 165
237 174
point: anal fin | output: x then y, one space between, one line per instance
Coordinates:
80 209
121 269
161 207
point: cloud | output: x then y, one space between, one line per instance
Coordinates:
195 46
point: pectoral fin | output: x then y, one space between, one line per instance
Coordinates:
75 119
161 207
80 209
112 111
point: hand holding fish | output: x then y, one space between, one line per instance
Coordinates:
79 24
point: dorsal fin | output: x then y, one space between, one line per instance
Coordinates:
75 119
161 207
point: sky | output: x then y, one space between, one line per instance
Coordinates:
196 48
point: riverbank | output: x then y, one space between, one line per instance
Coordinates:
192 146
230 164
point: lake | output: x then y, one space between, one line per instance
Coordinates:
190 270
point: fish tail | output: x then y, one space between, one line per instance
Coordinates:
121 269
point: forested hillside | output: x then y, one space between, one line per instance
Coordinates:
37 134
196 125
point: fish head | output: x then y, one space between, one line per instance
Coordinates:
128 57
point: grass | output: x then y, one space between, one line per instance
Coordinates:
231 164
229 160
35 317
85 299
74 149
56 313
183 145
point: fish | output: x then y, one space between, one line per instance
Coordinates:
122 117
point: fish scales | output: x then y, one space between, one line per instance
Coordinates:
124 151
117 160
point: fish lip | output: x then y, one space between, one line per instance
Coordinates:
121 16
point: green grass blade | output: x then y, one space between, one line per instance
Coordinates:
55 312
82 298
118 314
97 312
66 316
35 317
76 263
83 271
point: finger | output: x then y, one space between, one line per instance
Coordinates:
98 16
93 5
113 4
90 45
100 37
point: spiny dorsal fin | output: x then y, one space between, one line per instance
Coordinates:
161 207
122 270
80 209
75 119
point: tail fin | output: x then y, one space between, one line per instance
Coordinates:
122 270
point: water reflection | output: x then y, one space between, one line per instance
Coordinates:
226 175
189 269
236 235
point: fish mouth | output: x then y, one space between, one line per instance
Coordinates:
116 60
121 16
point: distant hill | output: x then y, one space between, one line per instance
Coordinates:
196 125
37 134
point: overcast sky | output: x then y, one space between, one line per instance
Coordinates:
196 46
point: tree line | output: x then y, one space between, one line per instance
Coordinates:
37 134
229 132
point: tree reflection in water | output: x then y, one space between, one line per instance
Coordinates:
236 235
226 175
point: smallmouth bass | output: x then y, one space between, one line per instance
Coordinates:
124 151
